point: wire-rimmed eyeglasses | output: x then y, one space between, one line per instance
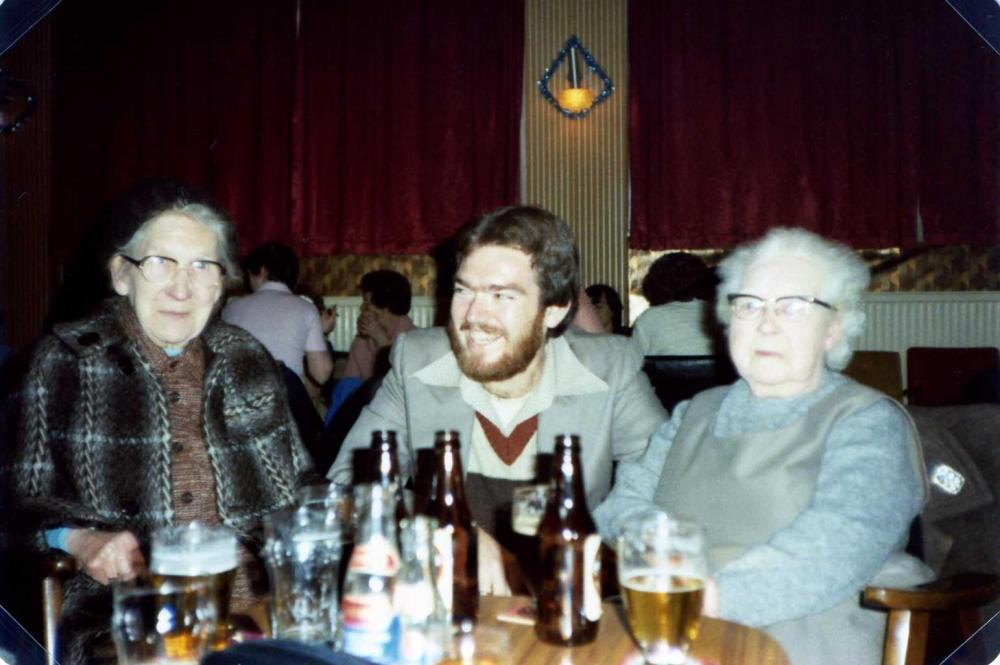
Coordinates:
746 307
162 269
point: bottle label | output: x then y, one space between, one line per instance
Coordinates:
444 563
378 556
370 628
592 607
413 600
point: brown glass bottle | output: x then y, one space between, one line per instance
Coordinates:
425 478
385 469
569 598
455 541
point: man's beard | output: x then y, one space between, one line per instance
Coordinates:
511 363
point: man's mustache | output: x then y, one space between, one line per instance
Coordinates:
486 329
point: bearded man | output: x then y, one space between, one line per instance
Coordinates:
509 377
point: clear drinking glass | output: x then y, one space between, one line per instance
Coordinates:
527 509
662 571
199 552
162 622
302 553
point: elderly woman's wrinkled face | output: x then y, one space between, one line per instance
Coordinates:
174 312
783 356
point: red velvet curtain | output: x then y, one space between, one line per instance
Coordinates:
337 127
409 120
843 118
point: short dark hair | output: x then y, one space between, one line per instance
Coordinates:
389 290
544 237
678 276
280 260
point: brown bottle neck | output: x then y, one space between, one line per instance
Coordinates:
449 495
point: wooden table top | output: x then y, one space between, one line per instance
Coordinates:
718 643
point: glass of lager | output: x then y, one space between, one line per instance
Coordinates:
527 508
162 622
662 571
198 551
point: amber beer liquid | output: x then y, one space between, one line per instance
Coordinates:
664 611
455 542
215 564
569 598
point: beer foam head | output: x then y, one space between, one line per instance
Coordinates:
206 559
193 549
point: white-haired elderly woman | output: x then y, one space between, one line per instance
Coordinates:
805 482
149 412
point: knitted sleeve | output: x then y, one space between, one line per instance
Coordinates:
636 481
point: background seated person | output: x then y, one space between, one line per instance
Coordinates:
679 322
149 412
609 308
384 314
805 481
508 376
289 327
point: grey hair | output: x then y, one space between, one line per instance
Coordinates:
845 278
217 223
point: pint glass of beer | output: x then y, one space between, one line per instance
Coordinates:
198 551
166 622
662 571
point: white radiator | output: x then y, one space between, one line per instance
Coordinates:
349 307
897 321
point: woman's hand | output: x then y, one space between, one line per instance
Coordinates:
328 319
369 326
492 579
106 555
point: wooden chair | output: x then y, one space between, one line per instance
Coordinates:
946 376
927 622
881 370
55 568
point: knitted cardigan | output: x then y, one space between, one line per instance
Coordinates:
92 445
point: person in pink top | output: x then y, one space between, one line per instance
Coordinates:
384 314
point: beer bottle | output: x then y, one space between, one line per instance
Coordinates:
424 477
455 541
385 470
569 598
370 626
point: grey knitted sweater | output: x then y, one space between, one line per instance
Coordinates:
866 496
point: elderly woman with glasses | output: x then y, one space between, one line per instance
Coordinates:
805 482
149 412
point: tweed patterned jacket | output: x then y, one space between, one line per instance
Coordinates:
92 441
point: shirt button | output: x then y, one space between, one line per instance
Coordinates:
187 497
177 447
175 397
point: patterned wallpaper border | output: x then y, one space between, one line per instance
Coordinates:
952 268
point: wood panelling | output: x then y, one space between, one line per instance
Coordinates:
579 168
27 273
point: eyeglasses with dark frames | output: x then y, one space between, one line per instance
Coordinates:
162 269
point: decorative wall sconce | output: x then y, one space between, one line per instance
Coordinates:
575 100
16 103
